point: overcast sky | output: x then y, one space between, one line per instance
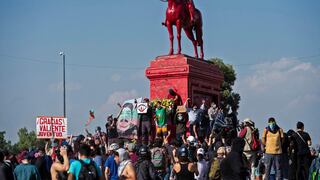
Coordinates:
274 46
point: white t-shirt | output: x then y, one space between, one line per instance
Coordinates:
203 170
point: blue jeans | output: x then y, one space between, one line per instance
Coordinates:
273 160
211 126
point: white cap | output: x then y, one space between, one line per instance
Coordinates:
200 151
191 139
248 120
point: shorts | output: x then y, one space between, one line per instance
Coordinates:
162 130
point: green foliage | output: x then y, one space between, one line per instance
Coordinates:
164 102
26 140
228 97
4 144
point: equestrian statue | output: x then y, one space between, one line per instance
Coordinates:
184 15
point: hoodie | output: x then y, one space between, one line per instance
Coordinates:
233 167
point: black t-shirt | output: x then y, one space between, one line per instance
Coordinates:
302 145
41 164
6 172
147 116
181 126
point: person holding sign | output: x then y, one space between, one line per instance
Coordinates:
161 121
145 123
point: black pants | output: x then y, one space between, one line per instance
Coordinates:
302 167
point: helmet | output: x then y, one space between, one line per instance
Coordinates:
183 152
143 151
191 139
114 147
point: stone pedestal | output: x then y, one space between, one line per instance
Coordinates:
188 76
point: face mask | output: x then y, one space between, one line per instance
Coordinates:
272 126
180 117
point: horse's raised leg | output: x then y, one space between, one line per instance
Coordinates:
170 30
179 27
189 34
199 40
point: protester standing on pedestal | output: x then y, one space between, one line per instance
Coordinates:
145 124
161 121
212 113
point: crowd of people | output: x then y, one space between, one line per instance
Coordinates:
180 142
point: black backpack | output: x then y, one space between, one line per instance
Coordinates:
62 175
88 171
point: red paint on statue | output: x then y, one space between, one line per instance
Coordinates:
184 15
187 76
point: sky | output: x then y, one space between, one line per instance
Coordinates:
273 45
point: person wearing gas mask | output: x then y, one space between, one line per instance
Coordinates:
181 124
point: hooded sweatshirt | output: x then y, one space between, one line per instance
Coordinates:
145 169
233 167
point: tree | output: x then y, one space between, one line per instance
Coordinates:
4 144
229 98
26 139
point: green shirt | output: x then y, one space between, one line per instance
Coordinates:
161 117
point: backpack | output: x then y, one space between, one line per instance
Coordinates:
62 175
88 171
255 145
315 170
157 158
214 171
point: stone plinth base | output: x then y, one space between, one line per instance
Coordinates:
188 76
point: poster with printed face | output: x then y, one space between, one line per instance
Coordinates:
127 124
142 108
48 127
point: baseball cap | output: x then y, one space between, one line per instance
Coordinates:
200 151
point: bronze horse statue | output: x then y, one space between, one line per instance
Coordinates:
184 15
